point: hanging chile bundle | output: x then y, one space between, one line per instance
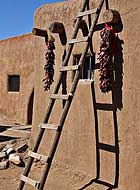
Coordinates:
106 53
49 66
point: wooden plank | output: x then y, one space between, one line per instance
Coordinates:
30 181
69 68
84 39
92 11
39 32
56 27
59 96
48 126
38 156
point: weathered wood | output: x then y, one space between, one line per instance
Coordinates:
39 32
38 156
69 68
48 126
59 96
58 27
30 181
92 11
111 16
84 39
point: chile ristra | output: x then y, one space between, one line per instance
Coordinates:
107 48
49 66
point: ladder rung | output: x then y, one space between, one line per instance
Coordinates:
92 11
69 68
107 147
30 181
38 156
48 126
105 107
84 39
60 96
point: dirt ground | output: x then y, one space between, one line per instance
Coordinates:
12 135
66 178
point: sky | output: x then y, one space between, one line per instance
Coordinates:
17 16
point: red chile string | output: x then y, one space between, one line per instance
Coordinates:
105 57
49 66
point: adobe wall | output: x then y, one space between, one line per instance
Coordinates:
16 58
76 153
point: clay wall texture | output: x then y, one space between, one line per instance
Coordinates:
16 58
76 153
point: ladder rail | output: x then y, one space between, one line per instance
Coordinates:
57 136
90 22
52 101
75 82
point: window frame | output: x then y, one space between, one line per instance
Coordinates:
11 87
89 73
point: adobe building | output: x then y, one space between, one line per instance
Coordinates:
17 79
99 148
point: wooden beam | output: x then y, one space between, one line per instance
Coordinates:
58 27
111 16
39 32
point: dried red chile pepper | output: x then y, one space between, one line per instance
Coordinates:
105 57
49 66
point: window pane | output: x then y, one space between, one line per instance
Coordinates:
88 66
13 83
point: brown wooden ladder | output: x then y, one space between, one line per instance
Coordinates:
68 98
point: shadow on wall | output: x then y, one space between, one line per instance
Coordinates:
30 109
3 128
4 138
114 149
118 67
117 103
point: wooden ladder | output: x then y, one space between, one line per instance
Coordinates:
68 98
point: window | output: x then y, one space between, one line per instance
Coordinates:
88 66
13 83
